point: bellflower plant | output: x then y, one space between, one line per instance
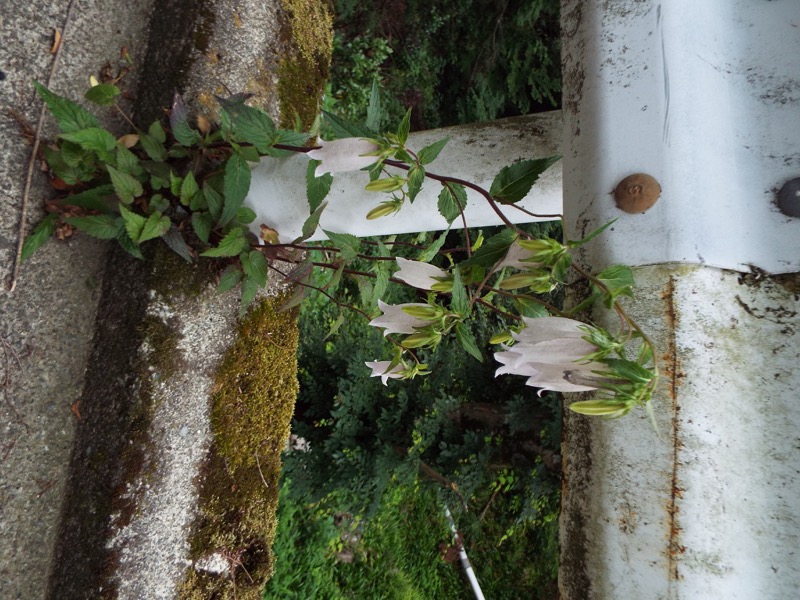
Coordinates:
186 186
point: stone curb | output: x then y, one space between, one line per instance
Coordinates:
139 430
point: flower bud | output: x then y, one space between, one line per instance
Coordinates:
383 209
388 184
422 339
426 313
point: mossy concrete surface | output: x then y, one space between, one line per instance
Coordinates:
109 366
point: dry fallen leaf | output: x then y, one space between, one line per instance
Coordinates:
203 124
129 140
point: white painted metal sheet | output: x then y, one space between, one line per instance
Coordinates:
704 96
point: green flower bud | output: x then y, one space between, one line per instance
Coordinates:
604 408
426 313
501 338
389 184
422 339
383 209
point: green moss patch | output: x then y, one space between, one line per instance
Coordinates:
304 70
252 406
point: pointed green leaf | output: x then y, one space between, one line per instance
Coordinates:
155 226
452 199
231 245
514 182
69 116
248 124
189 189
467 341
98 198
404 127
134 223
429 153
595 233
72 153
348 244
255 267
156 131
229 279
311 223
179 123
214 200
317 188
459 302
340 128
202 223
41 233
154 149
235 187
128 162
95 139
245 215
416 177
492 251
174 239
127 243
125 186
432 250
104 227
250 289
103 94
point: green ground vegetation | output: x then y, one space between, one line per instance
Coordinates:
452 61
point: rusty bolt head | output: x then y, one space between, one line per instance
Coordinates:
789 198
637 193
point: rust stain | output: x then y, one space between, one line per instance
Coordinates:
674 547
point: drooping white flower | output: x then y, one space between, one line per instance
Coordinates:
547 351
380 368
516 258
395 320
419 274
339 156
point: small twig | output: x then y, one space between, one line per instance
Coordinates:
488 504
12 284
260 472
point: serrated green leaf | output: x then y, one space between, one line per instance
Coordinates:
94 139
249 153
404 127
126 186
527 307
245 215
335 326
69 115
98 198
416 177
255 266
629 370
298 295
618 279
157 203
429 153
235 187
154 149
231 245
382 274
128 162
340 128
127 243
432 250
174 240
202 223
183 133
467 341
452 199
134 223
514 182
250 289
229 279
248 124
156 131
70 175
189 189
155 226
311 223
40 234
459 301
595 233
198 202
492 251
104 227
317 188
103 94
348 244
72 154
160 174
175 183
214 200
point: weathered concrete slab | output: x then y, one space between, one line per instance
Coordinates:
47 323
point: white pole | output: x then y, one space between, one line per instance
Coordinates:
475 152
462 555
